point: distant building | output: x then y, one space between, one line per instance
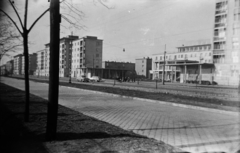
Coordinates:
118 65
188 63
226 41
9 67
86 56
40 70
32 64
17 68
3 70
113 69
143 66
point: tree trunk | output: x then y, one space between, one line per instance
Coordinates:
26 70
54 71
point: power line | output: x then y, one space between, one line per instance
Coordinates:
117 45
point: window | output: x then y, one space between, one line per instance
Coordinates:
160 57
97 55
210 54
181 56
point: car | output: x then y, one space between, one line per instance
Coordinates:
82 79
94 79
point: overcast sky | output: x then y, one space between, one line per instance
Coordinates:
142 27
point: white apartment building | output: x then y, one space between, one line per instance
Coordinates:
40 71
32 66
17 68
86 56
189 62
226 41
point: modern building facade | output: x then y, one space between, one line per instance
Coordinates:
189 63
226 40
86 56
143 66
17 68
32 64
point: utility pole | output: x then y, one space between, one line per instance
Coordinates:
55 19
164 64
70 60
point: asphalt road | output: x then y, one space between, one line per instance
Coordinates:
218 92
189 129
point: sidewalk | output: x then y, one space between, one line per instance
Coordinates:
75 133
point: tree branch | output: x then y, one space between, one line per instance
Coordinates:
12 21
37 19
16 13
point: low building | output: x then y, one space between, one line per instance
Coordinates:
189 63
143 67
113 69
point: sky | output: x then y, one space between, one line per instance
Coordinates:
141 27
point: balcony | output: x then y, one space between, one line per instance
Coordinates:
220 25
218 52
219 38
221 11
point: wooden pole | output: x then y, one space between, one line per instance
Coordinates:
54 71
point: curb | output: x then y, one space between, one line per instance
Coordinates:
162 102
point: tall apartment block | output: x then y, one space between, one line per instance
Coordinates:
226 39
65 51
40 71
17 64
32 66
86 56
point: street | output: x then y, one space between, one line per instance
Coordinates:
189 129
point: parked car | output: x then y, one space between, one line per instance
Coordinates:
95 79
82 79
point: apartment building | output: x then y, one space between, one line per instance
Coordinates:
189 62
32 64
226 39
17 68
86 56
65 56
40 70
143 66
9 67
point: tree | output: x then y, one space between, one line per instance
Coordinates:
24 33
53 87
9 40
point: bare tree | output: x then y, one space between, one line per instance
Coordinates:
9 40
24 31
